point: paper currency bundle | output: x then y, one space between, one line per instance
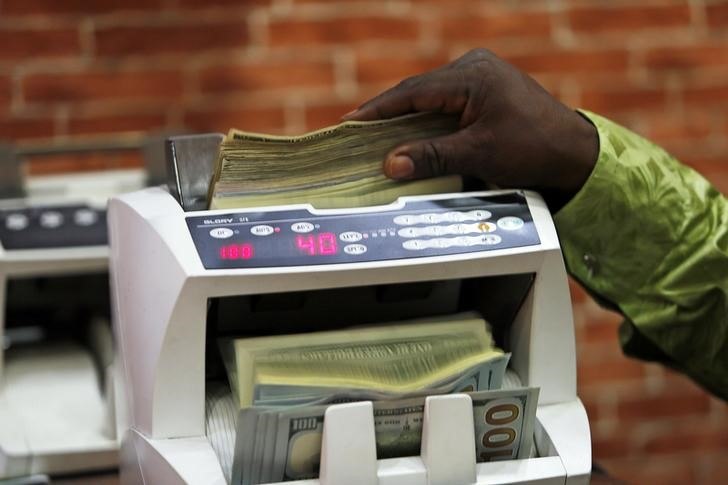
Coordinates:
451 354
277 444
339 166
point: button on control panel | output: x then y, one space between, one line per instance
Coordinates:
46 227
421 228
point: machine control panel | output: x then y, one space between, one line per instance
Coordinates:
250 239
48 227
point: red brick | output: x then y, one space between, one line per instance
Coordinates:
569 62
693 125
631 18
106 85
610 101
221 3
611 447
668 406
388 70
680 58
697 439
341 31
52 7
124 41
717 469
717 14
84 162
268 120
266 75
646 470
29 44
609 372
321 116
15 129
116 123
475 28
707 95
6 94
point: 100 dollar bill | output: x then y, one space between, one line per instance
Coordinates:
504 422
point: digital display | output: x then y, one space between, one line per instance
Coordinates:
237 251
323 244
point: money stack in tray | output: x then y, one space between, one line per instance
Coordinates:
282 385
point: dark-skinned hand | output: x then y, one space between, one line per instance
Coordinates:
513 133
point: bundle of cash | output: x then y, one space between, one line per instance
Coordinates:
450 353
339 166
275 444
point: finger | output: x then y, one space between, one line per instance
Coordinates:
434 91
463 153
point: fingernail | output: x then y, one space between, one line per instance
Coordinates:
350 113
399 167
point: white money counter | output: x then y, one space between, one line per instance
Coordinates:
183 276
56 388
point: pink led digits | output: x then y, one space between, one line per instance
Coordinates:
323 244
237 251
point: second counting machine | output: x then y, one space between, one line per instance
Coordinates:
182 276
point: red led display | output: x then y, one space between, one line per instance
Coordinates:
237 251
323 244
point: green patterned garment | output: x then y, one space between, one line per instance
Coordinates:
648 236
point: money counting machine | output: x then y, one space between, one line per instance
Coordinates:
183 276
56 399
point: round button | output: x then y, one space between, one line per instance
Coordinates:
351 236
221 232
261 230
301 227
51 219
355 249
16 222
85 217
510 223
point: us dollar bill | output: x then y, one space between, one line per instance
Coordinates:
334 165
503 423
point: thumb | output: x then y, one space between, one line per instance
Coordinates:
459 153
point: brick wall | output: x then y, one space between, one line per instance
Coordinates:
73 67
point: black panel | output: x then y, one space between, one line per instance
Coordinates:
52 227
252 239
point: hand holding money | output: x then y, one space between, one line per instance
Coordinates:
512 132
339 166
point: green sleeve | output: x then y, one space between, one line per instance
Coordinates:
649 237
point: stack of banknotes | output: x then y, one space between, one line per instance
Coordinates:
339 166
283 385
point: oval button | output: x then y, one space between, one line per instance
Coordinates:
51 219
85 217
16 222
414 244
221 232
406 220
479 215
301 227
355 249
510 223
489 239
350 236
262 230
